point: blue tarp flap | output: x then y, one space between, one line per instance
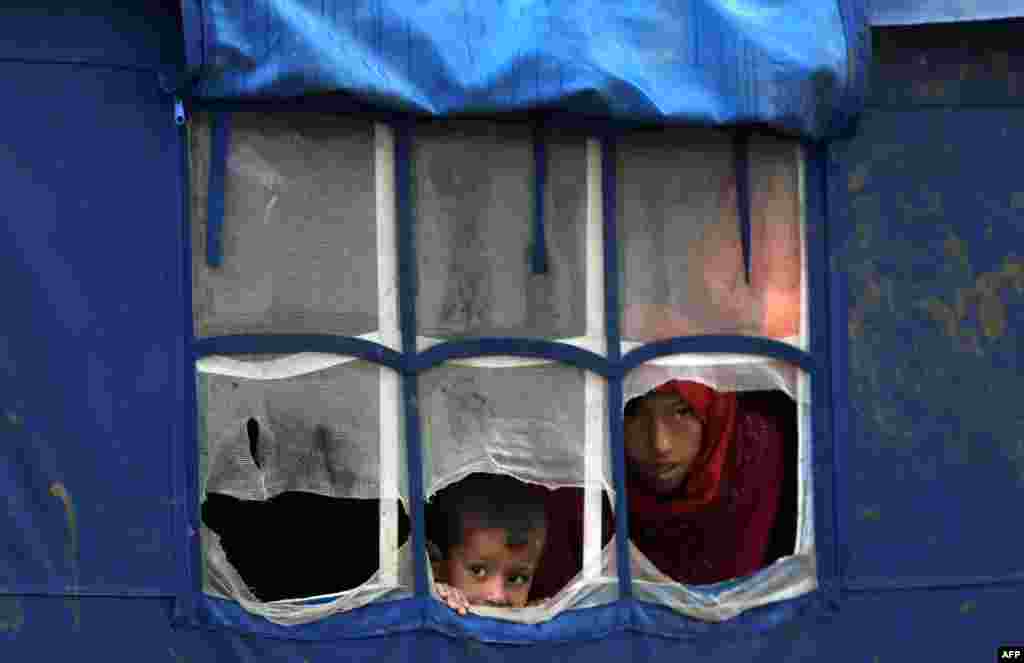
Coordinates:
793 64
912 12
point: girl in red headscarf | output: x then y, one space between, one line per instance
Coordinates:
710 478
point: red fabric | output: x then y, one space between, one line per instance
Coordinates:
716 528
563 550
717 414
718 525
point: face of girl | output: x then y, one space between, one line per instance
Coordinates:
662 437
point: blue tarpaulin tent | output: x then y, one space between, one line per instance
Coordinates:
913 268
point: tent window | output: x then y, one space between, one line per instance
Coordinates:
309 247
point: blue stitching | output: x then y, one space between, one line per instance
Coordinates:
741 169
539 254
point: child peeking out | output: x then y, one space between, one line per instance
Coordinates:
486 536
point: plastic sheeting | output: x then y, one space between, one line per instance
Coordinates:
794 64
473 204
527 421
910 12
319 432
682 269
299 236
327 425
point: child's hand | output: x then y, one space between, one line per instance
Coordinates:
453 598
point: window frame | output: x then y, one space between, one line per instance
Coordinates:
823 362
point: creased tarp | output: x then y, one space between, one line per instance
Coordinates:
913 12
794 64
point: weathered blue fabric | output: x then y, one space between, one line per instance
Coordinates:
793 64
912 12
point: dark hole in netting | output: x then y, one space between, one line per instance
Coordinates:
563 553
253 430
498 501
300 544
697 545
782 540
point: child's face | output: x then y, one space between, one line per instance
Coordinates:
489 571
663 437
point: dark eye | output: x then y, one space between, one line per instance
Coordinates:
519 579
478 570
683 411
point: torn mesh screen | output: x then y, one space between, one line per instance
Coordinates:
475 232
682 256
527 421
321 431
222 579
299 234
318 431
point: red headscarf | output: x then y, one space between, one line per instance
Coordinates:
717 414
718 523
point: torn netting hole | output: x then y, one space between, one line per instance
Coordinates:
718 483
252 428
298 544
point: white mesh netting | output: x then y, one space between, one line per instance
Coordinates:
474 233
328 425
308 206
319 431
299 236
526 421
682 258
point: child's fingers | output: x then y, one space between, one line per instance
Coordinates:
462 601
453 598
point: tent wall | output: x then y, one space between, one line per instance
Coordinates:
92 338
925 230
927 207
